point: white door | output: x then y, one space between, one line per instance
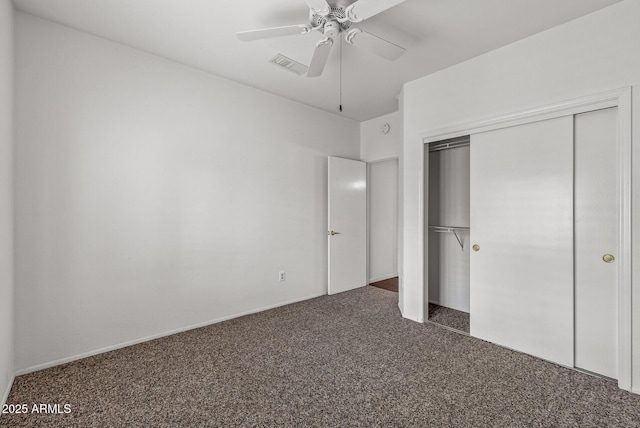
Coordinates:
347 231
521 291
596 235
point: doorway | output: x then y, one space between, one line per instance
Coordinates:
448 255
383 224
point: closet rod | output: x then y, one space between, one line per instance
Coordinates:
452 143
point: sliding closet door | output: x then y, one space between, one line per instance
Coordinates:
596 236
522 237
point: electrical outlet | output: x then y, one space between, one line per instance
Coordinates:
281 276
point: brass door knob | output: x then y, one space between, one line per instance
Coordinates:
476 247
608 258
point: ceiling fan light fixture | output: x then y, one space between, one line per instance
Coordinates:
331 29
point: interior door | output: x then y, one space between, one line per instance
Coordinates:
596 236
347 229
521 290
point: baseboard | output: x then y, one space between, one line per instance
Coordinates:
635 390
5 396
157 336
382 278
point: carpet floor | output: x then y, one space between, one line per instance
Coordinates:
457 320
343 360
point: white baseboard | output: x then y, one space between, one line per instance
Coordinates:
156 336
635 390
5 396
382 278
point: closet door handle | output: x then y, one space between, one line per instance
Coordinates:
333 232
476 247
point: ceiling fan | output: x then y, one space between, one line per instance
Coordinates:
332 17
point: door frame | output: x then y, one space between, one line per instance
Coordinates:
620 98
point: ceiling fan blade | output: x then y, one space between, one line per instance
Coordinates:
364 9
321 7
375 44
320 56
267 33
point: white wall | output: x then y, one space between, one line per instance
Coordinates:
383 220
6 198
592 54
375 145
151 196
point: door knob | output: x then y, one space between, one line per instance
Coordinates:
333 232
608 258
476 247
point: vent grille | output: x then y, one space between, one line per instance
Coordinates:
289 64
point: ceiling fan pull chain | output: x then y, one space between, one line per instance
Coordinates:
340 74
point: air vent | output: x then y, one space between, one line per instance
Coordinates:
289 64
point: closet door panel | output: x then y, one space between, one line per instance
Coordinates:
596 234
522 220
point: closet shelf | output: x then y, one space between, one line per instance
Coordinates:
451 229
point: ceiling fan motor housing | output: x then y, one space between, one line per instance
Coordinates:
336 15
331 29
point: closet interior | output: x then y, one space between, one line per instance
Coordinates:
448 220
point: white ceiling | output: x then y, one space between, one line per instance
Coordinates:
201 33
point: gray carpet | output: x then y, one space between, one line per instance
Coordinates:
448 317
344 360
